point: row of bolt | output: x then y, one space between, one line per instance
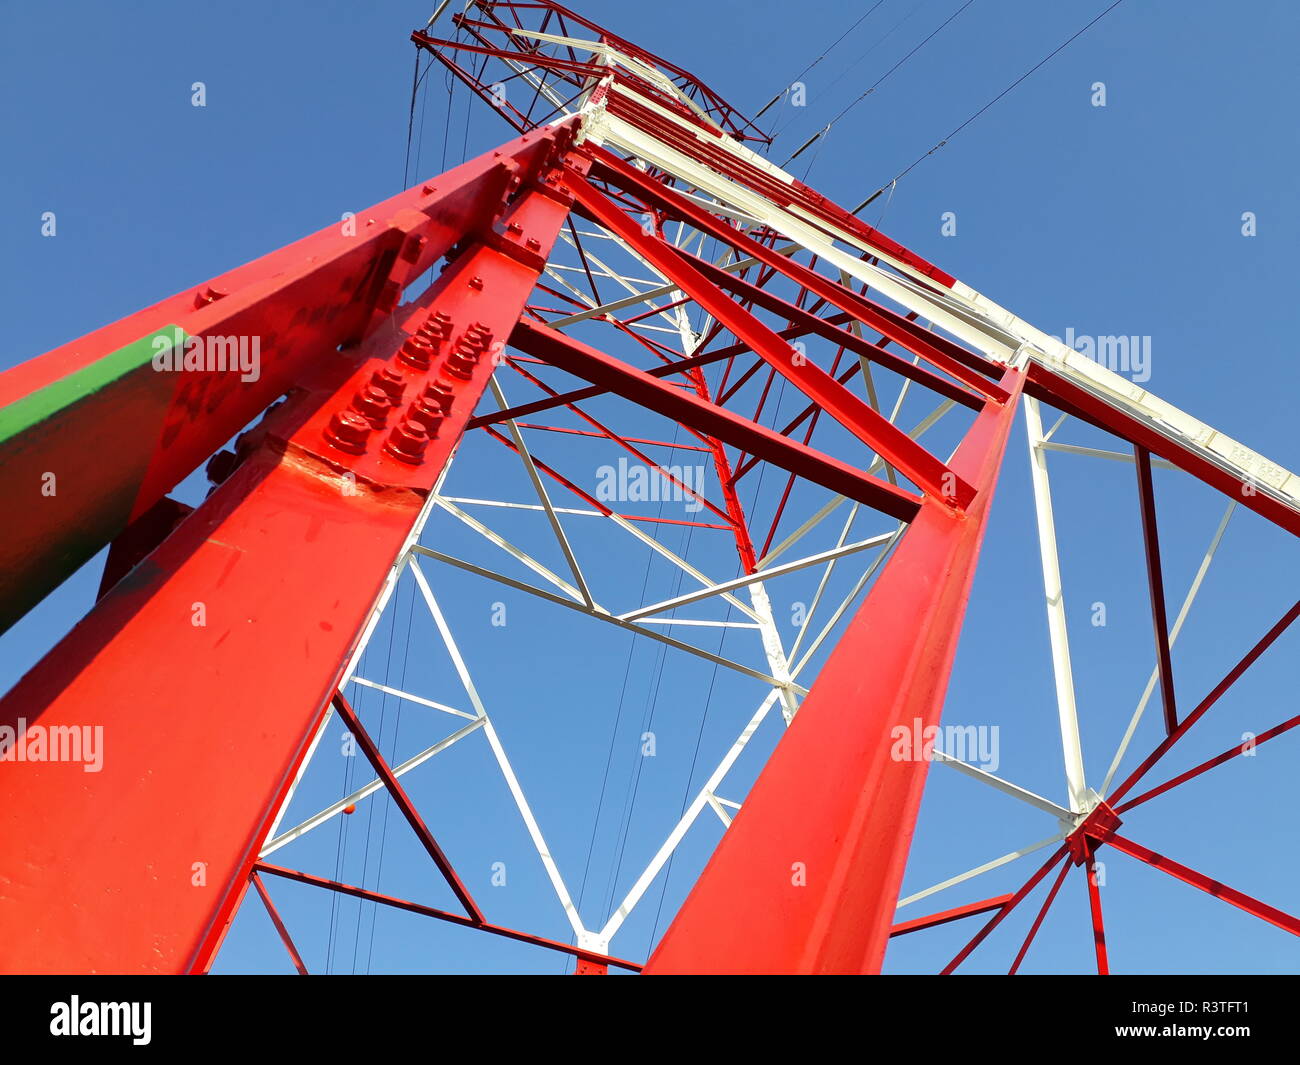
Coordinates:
349 429
514 231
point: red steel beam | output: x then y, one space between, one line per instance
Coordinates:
618 377
303 306
281 930
1050 387
666 370
1038 921
820 326
1098 925
208 668
1156 584
1252 906
806 878
971 909
444 915
870 426
403 802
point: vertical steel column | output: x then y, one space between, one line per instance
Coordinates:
1054 600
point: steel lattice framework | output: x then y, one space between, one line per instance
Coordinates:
632 212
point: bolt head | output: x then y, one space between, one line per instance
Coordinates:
428 413
439 393
417 352
460 363
348 431
391 380
373 404
407 442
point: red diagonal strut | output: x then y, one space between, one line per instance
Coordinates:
869 425
403 802
280 929
1247 660
1098 925
367 895
1156 583
971 909
689 409
1210 763
1232 896
1007 907
1038 921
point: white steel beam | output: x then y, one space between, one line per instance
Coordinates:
1071 747
749 579
979 870
512 782
1004 786
318 819
687 819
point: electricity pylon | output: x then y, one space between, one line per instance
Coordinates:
633 210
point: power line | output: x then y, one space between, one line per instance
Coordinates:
416 82
924 155
779 131
878 82
410 121
824 54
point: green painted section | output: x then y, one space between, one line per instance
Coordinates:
43 404
89 437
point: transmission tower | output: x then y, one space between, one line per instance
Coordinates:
600 317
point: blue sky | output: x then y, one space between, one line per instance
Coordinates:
1123 219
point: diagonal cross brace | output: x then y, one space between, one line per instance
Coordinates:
870 426
600 369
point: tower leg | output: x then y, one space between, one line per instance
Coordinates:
807 877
